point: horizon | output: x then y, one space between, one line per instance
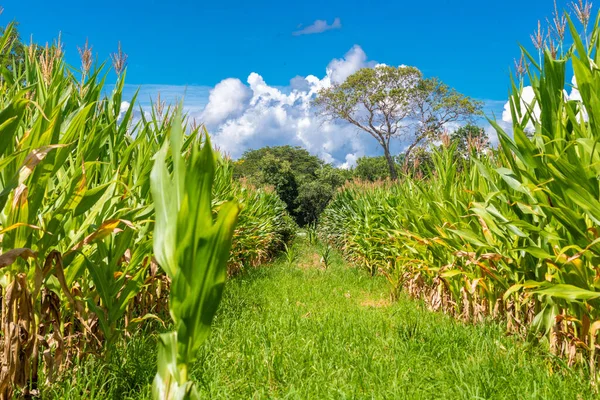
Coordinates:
264 100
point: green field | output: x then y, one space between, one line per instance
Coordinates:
140 261
301 331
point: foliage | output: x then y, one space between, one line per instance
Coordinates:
389 102
290 332
252 162
303 181
326 253
470 138
77 216
312 234
193 251
418 163
278 174
290 254
511 234
436 105
372 168
313 196
13 51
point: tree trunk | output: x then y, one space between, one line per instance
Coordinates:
409 151
391 163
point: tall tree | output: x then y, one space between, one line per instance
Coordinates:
389 102
435 105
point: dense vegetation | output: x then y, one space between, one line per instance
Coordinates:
303 181
419 162
511 233
118 232
396 102
303 331
307 184
77 216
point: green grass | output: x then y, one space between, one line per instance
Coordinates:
303 332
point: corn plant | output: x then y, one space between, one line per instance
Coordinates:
76 215
513 233
326 254
290 254
193 250
311 234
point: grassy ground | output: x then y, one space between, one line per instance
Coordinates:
301 331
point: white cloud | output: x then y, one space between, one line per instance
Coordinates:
575 95
319 26
527 98
339 69
242 116
228 98
123 109
350 161
274 116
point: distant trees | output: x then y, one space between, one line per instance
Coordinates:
251 163
306 184
315 194
470 138
303 181
15 58
389 102
467 139
372 168
13 51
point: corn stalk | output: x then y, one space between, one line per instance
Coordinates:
511 233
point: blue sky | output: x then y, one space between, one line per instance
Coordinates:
186 46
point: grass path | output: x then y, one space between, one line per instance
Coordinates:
304 332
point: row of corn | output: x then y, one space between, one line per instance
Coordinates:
511 233
77 214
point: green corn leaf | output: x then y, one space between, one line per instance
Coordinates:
537 252
568 292
193 249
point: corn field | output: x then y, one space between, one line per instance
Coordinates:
511 233
77 214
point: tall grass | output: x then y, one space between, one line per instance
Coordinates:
513 233
77 215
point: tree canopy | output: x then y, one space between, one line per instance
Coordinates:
371 168
470 138
252 161
303 181
395 102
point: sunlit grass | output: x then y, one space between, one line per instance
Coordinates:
304 331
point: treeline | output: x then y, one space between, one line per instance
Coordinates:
307 184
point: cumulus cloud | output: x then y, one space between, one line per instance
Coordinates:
252 114
274 116
123 109
319 26
228 98
527 103
339 69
